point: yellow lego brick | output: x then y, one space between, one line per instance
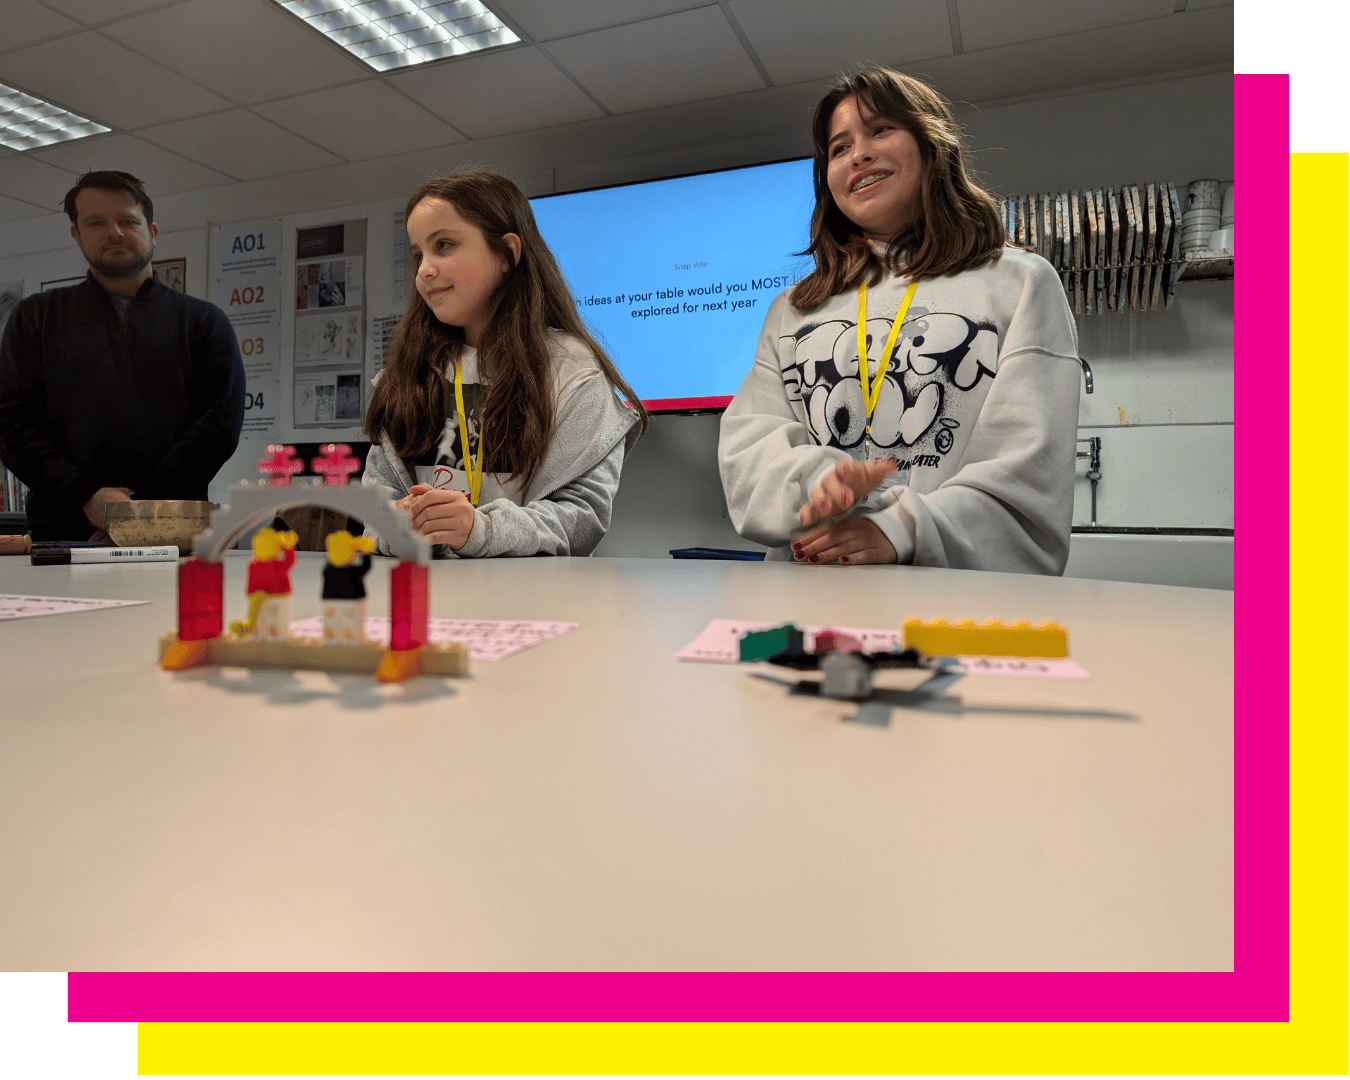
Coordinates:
939 638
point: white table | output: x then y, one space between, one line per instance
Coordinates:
591 804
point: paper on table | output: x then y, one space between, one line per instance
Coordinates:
718 644
487 639
28 607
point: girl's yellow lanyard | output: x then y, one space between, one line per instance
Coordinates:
872 390
473 470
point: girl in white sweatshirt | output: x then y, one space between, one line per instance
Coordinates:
954 444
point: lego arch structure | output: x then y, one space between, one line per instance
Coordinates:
253 504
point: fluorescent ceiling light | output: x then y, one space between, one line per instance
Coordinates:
27 122
390 34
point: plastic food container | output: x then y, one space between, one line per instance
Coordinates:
141 522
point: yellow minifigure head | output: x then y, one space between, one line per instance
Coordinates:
267 543
343 547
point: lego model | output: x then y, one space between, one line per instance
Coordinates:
201 638
847 670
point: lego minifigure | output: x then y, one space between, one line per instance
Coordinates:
344 588
269 587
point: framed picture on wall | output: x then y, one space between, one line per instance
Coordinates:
171 272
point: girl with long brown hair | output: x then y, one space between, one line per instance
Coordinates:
495 417
952 443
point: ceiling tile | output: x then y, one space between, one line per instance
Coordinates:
240 145
365 120
544 19
247 50
989 23
1137 50
101 80
95 11
35 182
26 20
684 57
161 172
14 210
498 93
798 40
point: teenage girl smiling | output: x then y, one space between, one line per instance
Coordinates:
953 443
496 417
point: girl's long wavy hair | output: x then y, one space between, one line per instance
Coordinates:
958 225
409 401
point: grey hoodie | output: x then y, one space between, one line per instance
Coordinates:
564 507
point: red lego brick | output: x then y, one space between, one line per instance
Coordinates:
201 600
408 607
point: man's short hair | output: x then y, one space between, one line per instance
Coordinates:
109 180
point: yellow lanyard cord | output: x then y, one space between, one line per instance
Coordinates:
872 391
474 470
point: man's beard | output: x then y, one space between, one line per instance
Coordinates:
128 262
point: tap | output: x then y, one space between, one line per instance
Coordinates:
1094 456
1087 375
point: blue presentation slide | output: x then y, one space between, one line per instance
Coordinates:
675 276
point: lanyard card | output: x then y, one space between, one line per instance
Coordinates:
891 479
443 477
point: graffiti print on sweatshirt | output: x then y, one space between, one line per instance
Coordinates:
450 451
939 358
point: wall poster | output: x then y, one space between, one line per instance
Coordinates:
330 329
248 290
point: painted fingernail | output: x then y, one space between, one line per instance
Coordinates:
813 558
843 558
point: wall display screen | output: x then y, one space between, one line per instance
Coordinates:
675 276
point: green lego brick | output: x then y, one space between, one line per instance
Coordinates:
762 644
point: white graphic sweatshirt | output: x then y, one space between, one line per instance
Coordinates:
979 405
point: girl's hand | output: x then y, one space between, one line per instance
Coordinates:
443 517
849 542
841 487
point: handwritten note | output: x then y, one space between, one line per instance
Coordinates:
1017 667
487 639
30 607
718 644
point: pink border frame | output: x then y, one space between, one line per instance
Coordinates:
1258 988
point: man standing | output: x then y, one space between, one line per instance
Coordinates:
117 387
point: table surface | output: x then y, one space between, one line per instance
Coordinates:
592 804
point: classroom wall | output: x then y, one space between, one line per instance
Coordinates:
1163 380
